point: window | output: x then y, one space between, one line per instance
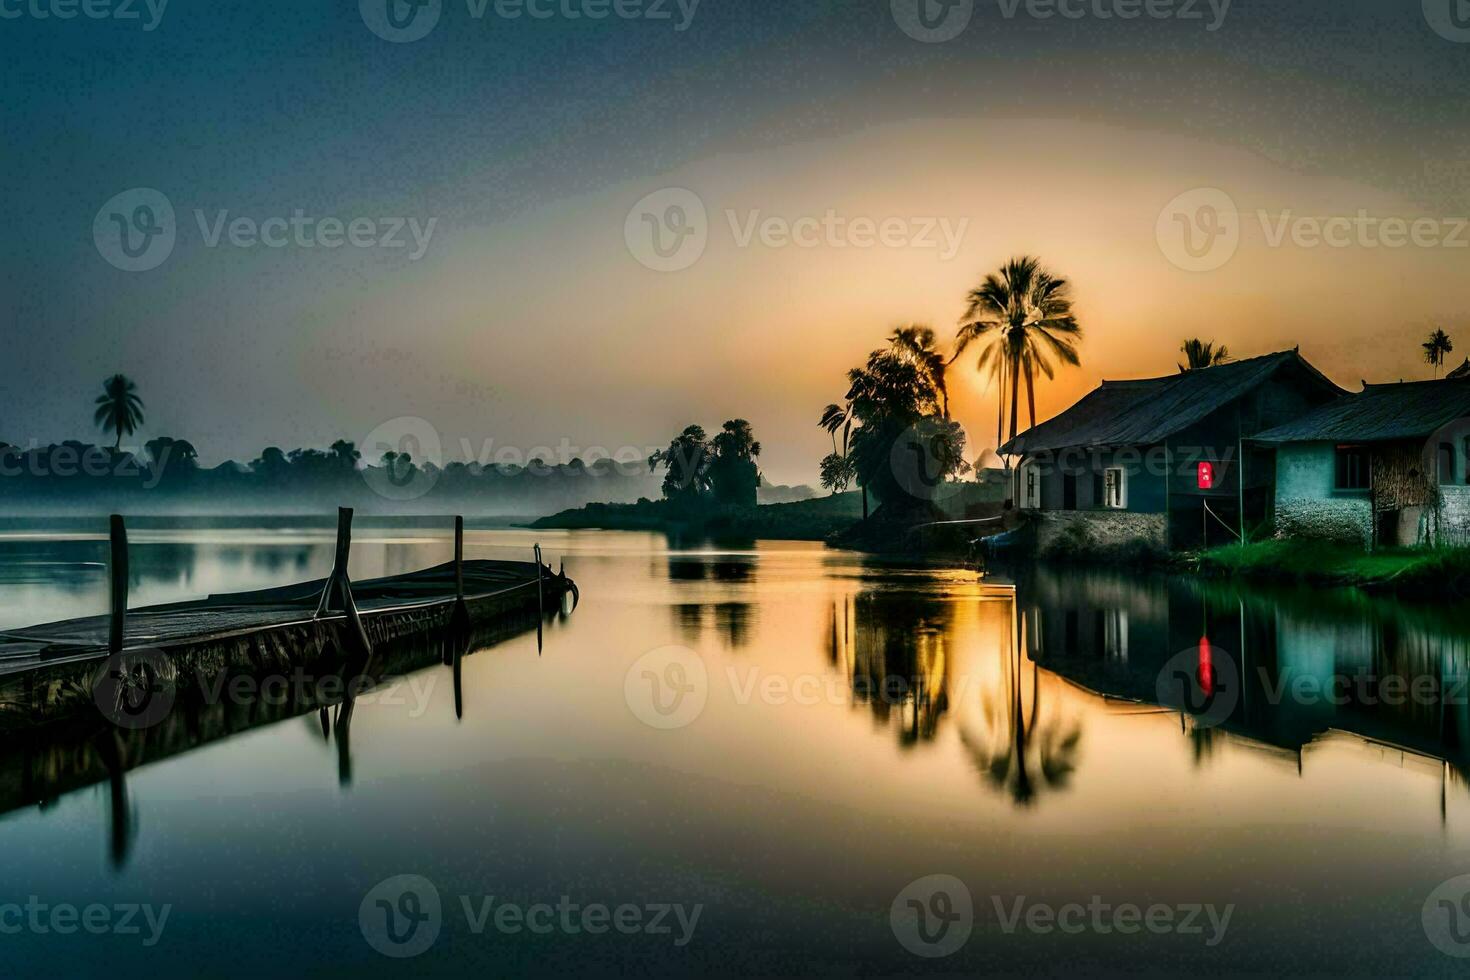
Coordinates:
1446 464
1115 487
1465 455
1352 468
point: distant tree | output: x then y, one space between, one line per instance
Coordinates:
271 463
175 455
1202 354
687 461
835 417
1024 314
119 409
733 473
345 454
1435 348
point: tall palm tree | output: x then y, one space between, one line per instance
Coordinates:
119 409
1024 314
917 344
1202 354
1435 348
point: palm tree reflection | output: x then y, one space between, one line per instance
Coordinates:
1022 750
894 652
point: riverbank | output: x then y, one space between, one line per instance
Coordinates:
1407 572
802 520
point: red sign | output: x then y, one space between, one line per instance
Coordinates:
1206 476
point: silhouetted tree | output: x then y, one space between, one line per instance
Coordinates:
837 472
1024 314
733 473
687 461
889 396
918 344
119 409
1435 348
1199 354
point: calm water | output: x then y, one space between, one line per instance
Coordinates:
787 738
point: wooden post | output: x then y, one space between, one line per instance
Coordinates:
118 565
540 601
459 558
339 561
341 583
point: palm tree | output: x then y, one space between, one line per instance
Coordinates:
836 417
1202 354
1025 315
119 409
1435 348
918 345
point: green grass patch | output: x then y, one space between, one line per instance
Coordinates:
1404 571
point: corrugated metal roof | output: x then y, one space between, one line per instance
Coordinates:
1407 410
1145 412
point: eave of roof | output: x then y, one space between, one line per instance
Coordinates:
1380 413
1148 410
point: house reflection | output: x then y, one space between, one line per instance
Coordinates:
1282 670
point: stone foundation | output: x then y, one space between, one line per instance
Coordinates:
1099 533
1346 519
1454 517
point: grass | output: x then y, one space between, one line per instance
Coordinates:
1431 572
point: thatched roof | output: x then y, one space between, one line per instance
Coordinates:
1145 412
1380 413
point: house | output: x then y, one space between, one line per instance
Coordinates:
1463 371
1164 462
1389 465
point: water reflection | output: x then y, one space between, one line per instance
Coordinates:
1026 745
893 649
1284 671
732 620
38 767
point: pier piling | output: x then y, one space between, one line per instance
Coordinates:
118 568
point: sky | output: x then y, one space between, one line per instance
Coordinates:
1261 173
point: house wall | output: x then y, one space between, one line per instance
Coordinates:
1308 505
1145 480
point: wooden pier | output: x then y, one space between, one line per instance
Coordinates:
56 671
